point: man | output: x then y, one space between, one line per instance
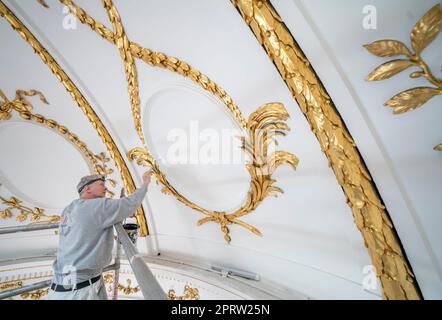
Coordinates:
86 239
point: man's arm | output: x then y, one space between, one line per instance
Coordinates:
116 210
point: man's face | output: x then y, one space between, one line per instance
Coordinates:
96 189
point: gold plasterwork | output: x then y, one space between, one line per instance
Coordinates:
423 33
37 215
370 215
83 104
189 294
9 285
130 50
23 107
262 126
128 289
35 295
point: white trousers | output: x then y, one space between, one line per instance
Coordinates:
95 291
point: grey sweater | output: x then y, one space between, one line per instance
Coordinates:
86 236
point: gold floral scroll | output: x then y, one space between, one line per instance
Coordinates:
83 104
262 126
370 215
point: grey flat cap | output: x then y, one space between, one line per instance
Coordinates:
86 180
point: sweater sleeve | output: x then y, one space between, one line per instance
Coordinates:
112 211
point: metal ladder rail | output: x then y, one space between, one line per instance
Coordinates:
150 287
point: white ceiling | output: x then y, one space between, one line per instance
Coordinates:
310 243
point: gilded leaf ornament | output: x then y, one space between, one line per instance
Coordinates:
189 294
37 215
423 33
369 214
35 295
269 118
97 163
82 103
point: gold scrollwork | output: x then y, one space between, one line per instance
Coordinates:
36 214
23 107
128 289
83 104
189 294
9 285
369 214
265 123
35 295
423 33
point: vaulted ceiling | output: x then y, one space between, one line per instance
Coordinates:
310 242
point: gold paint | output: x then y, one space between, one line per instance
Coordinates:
36 214
262 126
268 118
423 33
43 3
108 278
189 294
337 144
23 107
130 68
128 289
36 295
83 104
11 285
130 50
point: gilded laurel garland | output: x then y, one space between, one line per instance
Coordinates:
36 214
423 33
84 105
23 107
189 294
262 126
370 215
